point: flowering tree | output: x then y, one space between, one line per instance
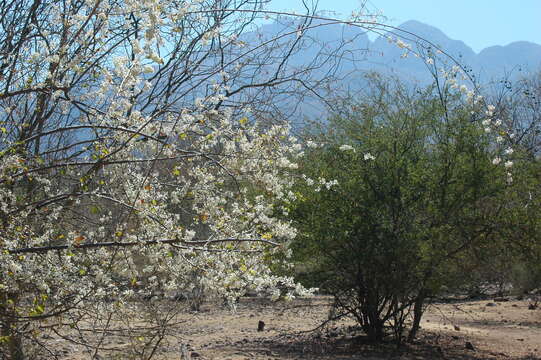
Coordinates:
422 188
130 162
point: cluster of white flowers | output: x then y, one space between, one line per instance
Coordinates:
369 156
491 124
495 125
134 196
346 148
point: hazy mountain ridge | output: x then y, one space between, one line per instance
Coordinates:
330 61
492 62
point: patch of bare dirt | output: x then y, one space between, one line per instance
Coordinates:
503 327
501 330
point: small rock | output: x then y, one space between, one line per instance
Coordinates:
457 328
532 307
520 339
491 304
260 325
469 346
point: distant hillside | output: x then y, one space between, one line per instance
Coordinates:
492 62
356 54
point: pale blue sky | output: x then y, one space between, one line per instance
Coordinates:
479 23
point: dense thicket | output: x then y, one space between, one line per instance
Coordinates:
422 199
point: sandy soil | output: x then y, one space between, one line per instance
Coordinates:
496 330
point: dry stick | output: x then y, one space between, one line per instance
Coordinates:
44 249
102 337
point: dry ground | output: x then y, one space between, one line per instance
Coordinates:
497 330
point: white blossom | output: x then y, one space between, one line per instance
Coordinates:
346 148
369 156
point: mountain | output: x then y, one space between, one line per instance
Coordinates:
518 56
491 63
343 54
494 62
415 33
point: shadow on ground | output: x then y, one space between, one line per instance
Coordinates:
344 346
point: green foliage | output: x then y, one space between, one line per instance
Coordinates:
415 194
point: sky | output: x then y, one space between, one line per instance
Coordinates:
479 23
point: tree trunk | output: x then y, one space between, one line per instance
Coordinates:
417 314
11 343
373 326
